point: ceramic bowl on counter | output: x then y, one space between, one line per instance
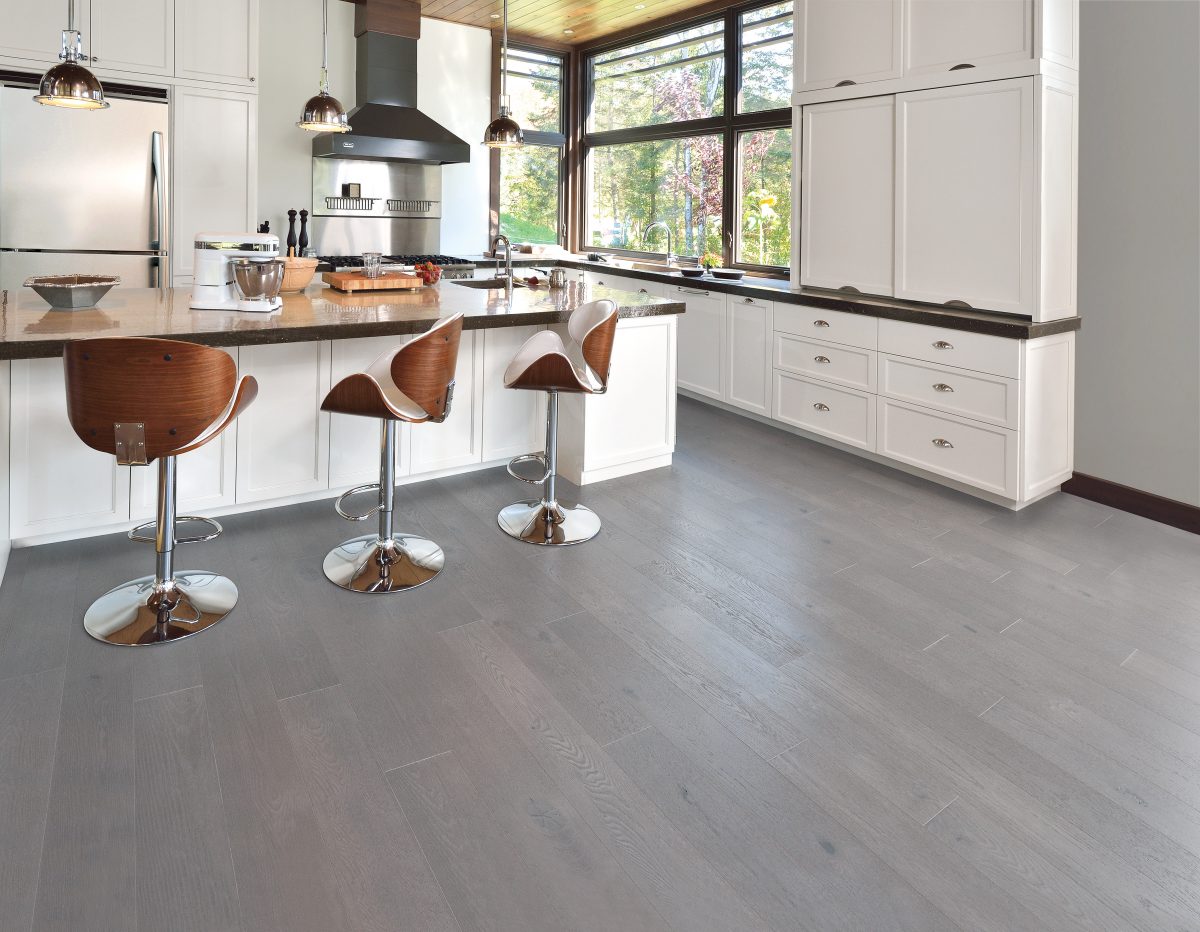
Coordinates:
727 275
298 272
72 292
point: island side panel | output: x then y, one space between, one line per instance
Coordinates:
5 530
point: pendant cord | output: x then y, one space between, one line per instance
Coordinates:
70 15
325 46
504 63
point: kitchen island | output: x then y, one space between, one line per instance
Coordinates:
284 449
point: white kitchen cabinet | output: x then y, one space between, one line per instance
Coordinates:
205 478
966 221
841 414
749 328
33 31
217 40
58 482
133 35
457 441
215 167
283 437
944 35
514 419
354 441
840 42
848 194
701 340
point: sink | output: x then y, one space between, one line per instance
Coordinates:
486 283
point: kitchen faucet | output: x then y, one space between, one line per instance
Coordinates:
508 273
663 224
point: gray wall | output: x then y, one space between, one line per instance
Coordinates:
1138 379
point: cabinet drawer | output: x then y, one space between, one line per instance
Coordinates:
840 413
968 452
845 365
947 347
990 398
835 326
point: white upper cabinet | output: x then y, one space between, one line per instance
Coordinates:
34 30
966 221
840 42
944 35
217 40
846 226
133 35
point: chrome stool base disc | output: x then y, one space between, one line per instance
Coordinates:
128 614
362 565
533 523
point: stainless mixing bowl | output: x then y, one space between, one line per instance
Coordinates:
256 279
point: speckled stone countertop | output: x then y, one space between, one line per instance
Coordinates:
29 329
779 289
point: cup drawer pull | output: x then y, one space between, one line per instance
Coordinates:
821 407
942 387
942 344
823 360
820 323
944 444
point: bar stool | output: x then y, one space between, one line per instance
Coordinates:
140 400
545 364
414 383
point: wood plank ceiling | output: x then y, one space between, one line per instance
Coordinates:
548 21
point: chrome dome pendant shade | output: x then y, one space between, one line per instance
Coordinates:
504 132
323 113
69 84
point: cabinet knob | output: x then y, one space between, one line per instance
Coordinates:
962 66
849 289
821 359
95 59
942 344
955 302
845 83
821 407
747 300
251 79
820 323
643 291
942 387
944 444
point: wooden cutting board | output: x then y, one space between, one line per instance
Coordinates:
356 281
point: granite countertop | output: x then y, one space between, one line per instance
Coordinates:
29 329
780 290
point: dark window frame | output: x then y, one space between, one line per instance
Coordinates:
730 125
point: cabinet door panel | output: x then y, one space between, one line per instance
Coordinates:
965 202
283 437
58 483
701 341
847 212
941 34
134 35
457 441
217 40
216 164
748 354
846 40
354 441
34 30
514 422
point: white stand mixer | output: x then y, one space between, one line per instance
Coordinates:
217 287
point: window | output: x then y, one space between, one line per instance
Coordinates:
529 199
692 127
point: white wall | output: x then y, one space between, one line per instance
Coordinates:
454 87
1138 382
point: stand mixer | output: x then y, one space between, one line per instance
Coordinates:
237 272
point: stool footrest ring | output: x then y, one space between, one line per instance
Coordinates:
138 533
539 458
358 490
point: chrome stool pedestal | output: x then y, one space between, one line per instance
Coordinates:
547 521
387 561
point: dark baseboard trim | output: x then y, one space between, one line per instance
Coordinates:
1135 501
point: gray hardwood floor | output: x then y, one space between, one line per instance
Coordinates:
784 689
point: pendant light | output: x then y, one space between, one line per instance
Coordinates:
504 132
324 114
70 84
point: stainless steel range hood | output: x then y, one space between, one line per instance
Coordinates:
387 126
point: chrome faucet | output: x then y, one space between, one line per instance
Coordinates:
501 238
663 224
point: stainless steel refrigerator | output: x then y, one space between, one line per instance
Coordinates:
83 191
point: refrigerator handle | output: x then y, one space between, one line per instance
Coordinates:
159 207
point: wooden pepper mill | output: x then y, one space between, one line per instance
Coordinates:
291 237
303 242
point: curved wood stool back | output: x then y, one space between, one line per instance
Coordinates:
413 383
141 400
581 366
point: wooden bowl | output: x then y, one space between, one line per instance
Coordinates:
298 273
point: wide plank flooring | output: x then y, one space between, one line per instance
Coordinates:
784 689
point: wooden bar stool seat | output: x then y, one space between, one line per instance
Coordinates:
546 363
415 384
144 400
